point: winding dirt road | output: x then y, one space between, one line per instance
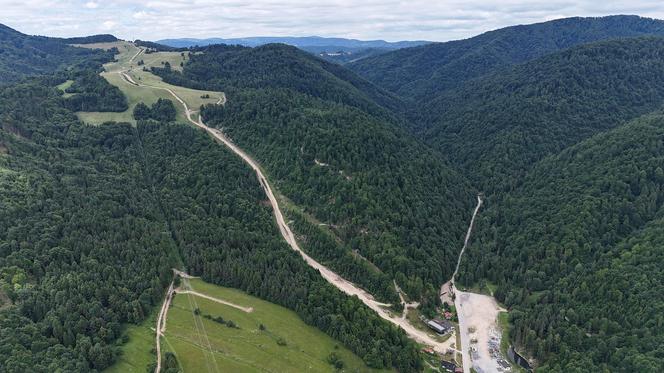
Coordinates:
336 280
333 278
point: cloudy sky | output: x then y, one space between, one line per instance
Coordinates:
437 20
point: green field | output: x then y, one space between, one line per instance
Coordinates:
64 86
285 344
137 352
148 95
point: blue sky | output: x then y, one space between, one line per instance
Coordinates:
365 19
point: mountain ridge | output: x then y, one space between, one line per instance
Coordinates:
423 71
297 41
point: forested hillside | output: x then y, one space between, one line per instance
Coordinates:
577 253
94 218
91 92
226 234
346 163
424 72
223 68
23 55
496 127
81 243
570 235
561 128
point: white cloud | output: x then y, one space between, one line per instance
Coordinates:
437 20
108 25
141 15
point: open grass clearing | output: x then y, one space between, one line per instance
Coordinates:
285 345
63 87
136 354
148 95
159 59
247 349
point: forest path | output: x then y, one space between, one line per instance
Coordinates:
458 304
349 288
406 306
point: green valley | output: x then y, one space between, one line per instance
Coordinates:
490 204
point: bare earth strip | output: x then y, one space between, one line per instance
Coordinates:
244 309
478 316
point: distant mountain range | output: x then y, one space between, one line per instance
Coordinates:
338 50
559 125
300 42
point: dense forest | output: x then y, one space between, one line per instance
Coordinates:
423 73
571 232
24 55
101 38
94 218
350 166
576 252
559 126
81 243
496 127
162 111
224 68
91 92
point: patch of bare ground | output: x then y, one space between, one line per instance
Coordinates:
5 302
15 130
265 203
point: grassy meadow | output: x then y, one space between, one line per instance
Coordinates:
148 95
284 343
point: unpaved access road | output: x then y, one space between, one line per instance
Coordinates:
192 292
336 280
465 241
161 322
477 315
448 289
